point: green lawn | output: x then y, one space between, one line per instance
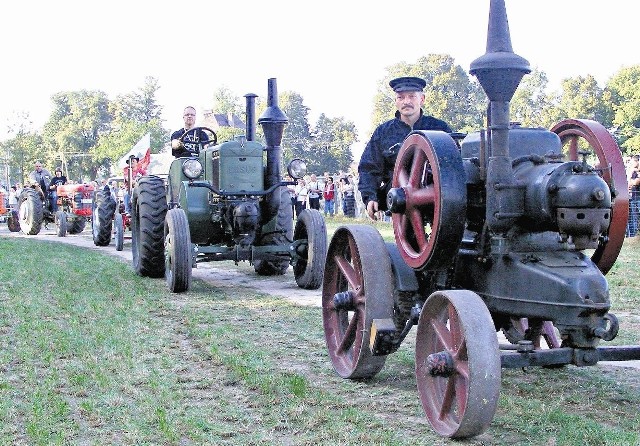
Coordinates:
92 354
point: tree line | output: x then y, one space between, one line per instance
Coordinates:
89 132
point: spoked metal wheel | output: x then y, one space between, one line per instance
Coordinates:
574 131
428 200
118 223
357 288
457 363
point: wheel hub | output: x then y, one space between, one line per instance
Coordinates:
344 301
440 364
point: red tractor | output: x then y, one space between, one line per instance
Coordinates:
74 209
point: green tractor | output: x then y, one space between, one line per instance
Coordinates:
228 203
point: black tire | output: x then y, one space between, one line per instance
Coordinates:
61 224
77 225
281 235
103 208
148 211
308 270
13 222
118 223
30 211
177 251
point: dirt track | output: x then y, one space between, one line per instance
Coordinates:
227 274
218 273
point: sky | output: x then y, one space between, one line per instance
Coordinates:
333 53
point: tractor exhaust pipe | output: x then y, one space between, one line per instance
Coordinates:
499 72
273 121
250 99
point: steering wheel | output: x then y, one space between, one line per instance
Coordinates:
207 130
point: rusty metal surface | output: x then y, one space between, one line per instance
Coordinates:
357 288
613 172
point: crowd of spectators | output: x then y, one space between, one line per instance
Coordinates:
330 194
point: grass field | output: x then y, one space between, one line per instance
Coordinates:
91 354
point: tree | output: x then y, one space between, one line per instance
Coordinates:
134 115
225 102
331 142
531 106
582 98
296 138
71 134
624 91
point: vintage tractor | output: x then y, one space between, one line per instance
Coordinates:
74 209
229 203
506 232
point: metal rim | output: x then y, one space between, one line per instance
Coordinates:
457 363
613 172
357 288
429 228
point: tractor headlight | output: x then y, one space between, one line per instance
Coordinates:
297 168
192 169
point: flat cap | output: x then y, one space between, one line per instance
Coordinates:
407 84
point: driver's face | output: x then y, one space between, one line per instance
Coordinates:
189 117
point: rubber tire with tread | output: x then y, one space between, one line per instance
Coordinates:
31 212
61 224
148 211
13 222
77 225
177 251
309 270
282 236
118 223
103 209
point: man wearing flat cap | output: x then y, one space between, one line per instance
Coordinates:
378 159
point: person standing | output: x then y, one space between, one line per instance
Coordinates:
315 189
378 159
57 180
191 143
329 195
301 197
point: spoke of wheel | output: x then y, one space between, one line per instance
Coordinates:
350 334
417 168
448 398
422 197
418 227
348 271
442 333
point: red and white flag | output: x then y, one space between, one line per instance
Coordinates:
142 151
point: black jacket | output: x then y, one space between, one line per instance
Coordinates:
378 159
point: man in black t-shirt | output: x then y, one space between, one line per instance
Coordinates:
57 180
191 143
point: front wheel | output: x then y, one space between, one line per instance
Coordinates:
119 231
61 224
177 251
103 208
30 211
148 210
457 363
309 266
